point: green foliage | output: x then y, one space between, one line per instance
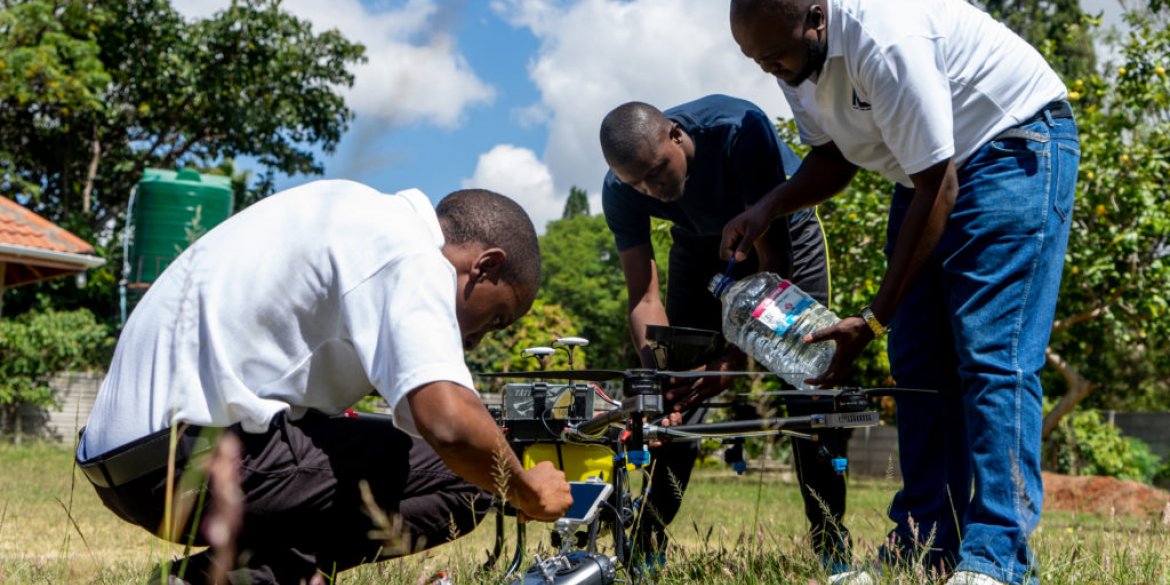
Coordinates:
1057 27
582 274
500 351
40 344
1112 322
92 93
577 203
1084 444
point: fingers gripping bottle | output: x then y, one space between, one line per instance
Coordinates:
766 317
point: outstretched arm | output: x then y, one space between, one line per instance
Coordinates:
824 173
935 190
645 303
456 424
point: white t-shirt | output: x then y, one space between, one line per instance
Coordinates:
306 300
908 84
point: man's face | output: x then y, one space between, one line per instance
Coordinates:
660 170
487 305
789 51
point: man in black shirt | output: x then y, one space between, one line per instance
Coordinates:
698 165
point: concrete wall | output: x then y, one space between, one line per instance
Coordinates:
1151 427
76 392
873 452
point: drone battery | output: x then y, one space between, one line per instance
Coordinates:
579 462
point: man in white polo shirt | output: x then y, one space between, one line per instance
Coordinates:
284 316
971 124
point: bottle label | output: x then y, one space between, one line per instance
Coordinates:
780 309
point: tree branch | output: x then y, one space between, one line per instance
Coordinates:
91 172
1079 387
1087 315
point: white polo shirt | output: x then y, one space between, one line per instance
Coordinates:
908 84
306 300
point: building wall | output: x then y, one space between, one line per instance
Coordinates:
873 452
76 392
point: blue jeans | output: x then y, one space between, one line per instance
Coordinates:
975 325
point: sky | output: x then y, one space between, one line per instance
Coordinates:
508 94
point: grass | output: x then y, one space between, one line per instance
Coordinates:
748 529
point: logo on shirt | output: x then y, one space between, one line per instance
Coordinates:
860 105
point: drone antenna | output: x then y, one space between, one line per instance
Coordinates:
540 354
568 344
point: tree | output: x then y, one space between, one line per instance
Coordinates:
502 351
35 347
1056 27
577 203
582 273
1112 329
92 93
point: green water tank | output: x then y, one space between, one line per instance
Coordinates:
171 210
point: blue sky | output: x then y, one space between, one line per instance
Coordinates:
507 94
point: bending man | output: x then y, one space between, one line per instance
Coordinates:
292 311
698 165
973 126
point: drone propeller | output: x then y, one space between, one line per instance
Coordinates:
687 374
588 375
792 394
837 392
604 375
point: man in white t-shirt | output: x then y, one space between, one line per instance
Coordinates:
284 316
973 126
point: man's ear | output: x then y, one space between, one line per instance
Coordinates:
676 132
816 16
489 264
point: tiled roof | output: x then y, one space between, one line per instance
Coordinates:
32 248
21 227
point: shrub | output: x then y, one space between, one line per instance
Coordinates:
1084 444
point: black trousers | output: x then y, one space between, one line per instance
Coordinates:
303 510
803 260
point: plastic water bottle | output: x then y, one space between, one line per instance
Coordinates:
767 317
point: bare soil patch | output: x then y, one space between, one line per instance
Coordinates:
1103 495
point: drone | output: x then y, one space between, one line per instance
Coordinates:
550 416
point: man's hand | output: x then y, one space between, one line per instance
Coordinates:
741 233
455 423
851 334
541 493
695 391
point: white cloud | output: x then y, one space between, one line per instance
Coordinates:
519 174
597 54
414 70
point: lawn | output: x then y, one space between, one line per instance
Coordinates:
732 529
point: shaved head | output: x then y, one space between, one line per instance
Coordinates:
628 130
790 10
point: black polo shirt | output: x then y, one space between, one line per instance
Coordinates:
738 158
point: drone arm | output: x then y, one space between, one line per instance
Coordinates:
811 422
645 305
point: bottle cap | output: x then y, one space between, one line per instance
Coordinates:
726 280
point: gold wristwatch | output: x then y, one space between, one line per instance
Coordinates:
874 325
